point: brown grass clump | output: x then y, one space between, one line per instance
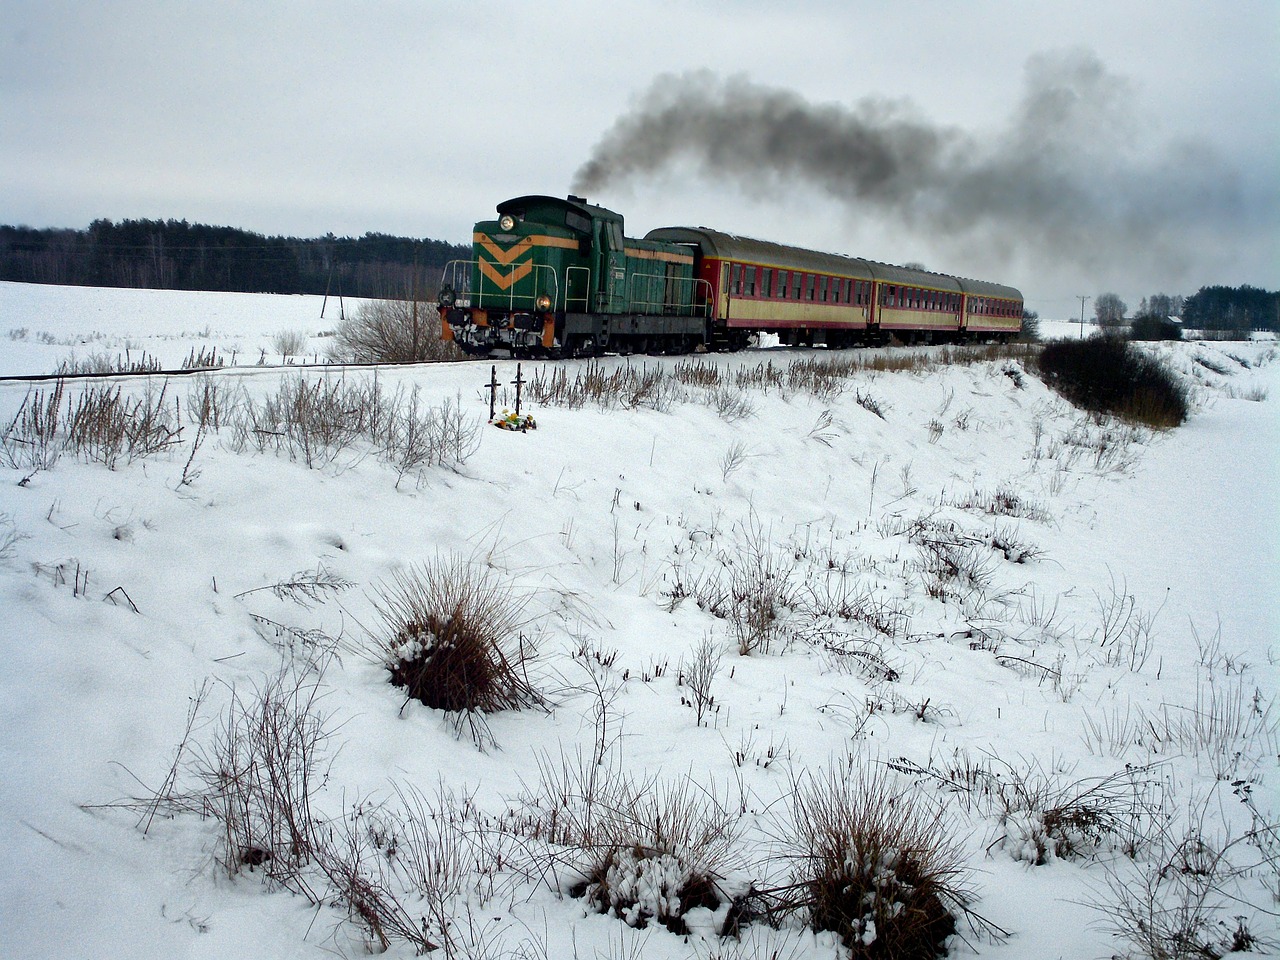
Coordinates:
873 862
454 639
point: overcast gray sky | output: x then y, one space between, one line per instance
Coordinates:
1064 148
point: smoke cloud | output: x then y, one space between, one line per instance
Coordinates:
1074 175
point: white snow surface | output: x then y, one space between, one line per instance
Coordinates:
594 516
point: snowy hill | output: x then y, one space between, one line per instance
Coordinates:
1049 638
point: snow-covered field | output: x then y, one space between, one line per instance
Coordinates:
1059 634
45 325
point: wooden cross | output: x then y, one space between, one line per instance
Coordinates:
493 390
517 383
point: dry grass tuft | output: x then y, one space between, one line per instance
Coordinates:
873 862
640 850
453 640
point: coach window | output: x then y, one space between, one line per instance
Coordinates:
766 282
783 277
797 282
749 281
822 288
810 286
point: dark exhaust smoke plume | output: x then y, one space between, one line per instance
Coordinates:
1073 176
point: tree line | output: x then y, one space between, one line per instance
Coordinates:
177 255
1219 308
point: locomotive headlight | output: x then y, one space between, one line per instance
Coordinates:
544 302
507 222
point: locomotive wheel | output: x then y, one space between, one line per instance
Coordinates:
581 346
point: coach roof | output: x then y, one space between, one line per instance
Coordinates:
727 246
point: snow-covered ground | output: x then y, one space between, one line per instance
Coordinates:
45 325
977 584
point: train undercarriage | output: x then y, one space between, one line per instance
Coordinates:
556 336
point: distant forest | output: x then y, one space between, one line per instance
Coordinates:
177 255
1232 308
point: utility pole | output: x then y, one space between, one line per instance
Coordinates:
1082 300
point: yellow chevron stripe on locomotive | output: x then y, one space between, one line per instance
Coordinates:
504 261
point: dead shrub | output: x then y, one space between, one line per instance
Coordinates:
453 640
1002 502
392 331
100 364
1110 375
1192 901
401 868
31 440
260 772
102 424
754 590
289 343
1043 819
640 850
316 421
